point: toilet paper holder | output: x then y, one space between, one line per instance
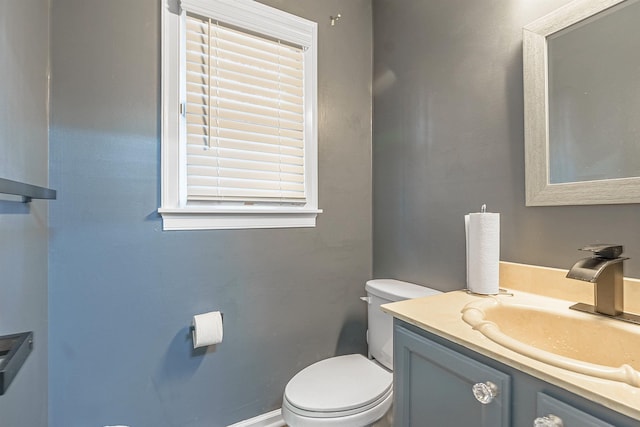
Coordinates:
193 328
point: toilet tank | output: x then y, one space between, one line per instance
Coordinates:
380 333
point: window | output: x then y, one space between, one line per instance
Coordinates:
239 121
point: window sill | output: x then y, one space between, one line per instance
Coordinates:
234 218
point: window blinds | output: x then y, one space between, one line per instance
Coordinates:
244 115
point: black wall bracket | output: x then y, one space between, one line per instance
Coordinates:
14 350
27 191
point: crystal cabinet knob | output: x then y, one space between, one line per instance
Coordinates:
548 421
485 392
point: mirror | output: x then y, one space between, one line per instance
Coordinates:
582 104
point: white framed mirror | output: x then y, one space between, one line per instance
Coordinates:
582 104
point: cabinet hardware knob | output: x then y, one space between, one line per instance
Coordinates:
485 392
548 421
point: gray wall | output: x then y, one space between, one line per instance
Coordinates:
448 136
122 291
24 65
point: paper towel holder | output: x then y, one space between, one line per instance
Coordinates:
501 291
192 328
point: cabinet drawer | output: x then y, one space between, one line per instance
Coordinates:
570 416
434 386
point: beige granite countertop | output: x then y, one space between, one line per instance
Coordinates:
441 315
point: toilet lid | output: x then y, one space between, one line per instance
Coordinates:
338 384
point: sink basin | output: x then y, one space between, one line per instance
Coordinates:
545 329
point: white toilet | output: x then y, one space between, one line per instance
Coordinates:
351 390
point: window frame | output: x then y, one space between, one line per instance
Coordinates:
178 213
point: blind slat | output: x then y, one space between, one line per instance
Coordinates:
232 89
198 67
204 181
202 129
197 26
267 102
240 116
230 167
268 74
200 54
195 146
239 194
246 160
244 130
270 176
199 100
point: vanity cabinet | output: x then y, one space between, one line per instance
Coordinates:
440 383
550 411
436 386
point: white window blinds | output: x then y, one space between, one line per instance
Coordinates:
244 115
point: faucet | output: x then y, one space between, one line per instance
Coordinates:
605 270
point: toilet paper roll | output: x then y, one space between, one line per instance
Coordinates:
483 252
207 329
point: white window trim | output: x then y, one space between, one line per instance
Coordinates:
177 213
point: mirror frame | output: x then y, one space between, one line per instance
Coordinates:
539 192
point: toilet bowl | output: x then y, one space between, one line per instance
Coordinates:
346 391
352 390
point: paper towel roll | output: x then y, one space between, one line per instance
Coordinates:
207 329
483 252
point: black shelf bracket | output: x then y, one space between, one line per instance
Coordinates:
27 191
14 350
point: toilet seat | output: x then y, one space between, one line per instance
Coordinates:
335 414
366 418
341 386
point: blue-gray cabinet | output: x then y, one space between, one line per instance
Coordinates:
440 387
438 383
555 413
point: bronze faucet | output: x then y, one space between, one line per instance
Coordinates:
605 270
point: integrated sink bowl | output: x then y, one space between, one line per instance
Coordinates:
546 329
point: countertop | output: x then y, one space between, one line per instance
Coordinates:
441 315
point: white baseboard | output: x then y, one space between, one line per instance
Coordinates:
270 419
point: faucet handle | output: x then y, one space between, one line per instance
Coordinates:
604 250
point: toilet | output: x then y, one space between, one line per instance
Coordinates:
352 390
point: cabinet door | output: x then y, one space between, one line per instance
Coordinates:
434 386
570 416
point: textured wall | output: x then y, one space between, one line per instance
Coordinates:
24 65
448 137
122 291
